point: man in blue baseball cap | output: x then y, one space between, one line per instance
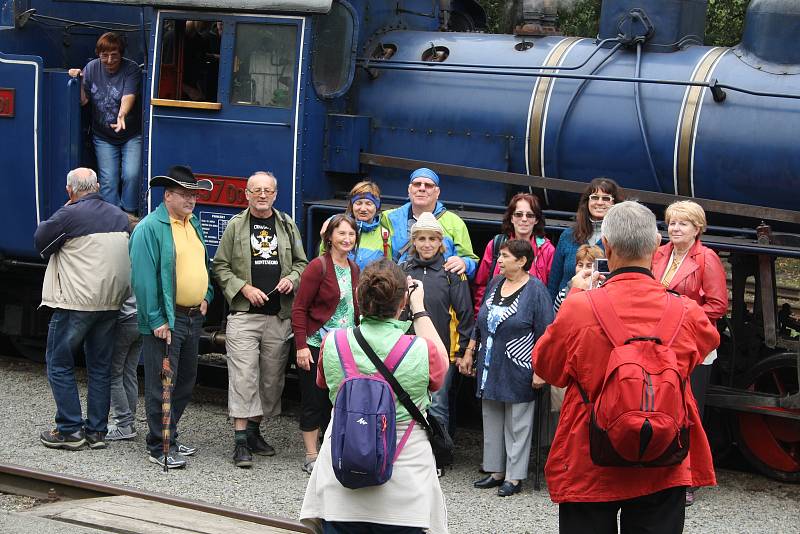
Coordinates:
423 196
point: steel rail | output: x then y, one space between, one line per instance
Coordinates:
30 482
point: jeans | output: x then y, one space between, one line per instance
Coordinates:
124 385
183 364
440 400
67 330
111 159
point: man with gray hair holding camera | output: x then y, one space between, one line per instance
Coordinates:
88 277
595 470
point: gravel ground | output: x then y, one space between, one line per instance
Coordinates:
742 503
16 503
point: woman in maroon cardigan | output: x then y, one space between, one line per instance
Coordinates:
325 301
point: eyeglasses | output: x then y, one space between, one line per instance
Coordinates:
601 198
187 195
525 214
258 190
113 55
423 185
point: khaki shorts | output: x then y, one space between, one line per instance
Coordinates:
258 349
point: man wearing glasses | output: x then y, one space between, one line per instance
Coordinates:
169 275
111 83
423 196
258 266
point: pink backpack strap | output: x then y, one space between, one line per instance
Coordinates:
345 354
609 321
402 442
399 351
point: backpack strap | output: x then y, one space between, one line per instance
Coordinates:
498 240
670 323
385 239
609 321
345 353
399 351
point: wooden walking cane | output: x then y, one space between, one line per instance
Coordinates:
166 403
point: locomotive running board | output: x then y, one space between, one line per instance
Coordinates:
571 186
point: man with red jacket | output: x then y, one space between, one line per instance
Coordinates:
574 352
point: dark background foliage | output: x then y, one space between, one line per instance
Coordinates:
723 24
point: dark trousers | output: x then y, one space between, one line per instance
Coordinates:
662 512
183 363
315 405
353 527
700 378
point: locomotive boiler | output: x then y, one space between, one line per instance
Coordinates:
326 92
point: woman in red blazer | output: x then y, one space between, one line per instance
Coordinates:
686 266
325 301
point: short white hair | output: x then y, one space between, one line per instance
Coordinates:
630 229
82 180
263 173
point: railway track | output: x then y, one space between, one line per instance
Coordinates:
53 488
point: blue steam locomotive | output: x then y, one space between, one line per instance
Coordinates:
322 92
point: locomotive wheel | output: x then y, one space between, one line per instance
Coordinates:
771 443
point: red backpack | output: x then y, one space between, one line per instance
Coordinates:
639 418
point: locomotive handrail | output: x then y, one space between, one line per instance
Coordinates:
572 186
715 87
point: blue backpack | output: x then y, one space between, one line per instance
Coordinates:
363 438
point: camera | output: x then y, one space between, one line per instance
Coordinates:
600 265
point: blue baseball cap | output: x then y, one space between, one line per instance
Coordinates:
424 172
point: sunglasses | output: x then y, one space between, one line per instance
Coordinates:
525 214
601 198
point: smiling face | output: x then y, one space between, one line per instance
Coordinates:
343 237
364 209
599 204
423 194
682 233
111 60
427 244
523 219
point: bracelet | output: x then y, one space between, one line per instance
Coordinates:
469 350
419 314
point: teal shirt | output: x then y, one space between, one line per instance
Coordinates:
152 252
413 373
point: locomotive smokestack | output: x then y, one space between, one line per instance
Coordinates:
670 22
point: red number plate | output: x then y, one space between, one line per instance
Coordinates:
228 191
6 102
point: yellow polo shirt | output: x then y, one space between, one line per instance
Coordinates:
191 274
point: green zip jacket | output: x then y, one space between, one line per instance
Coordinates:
152 252
233 261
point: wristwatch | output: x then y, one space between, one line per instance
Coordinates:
419 314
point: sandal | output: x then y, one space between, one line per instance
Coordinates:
308 465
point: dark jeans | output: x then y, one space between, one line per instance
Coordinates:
67 330
183 363
315 405
662 512
353 527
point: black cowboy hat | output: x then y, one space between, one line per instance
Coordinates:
181 176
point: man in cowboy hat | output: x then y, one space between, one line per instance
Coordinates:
172 286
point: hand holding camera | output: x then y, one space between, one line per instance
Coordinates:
416 295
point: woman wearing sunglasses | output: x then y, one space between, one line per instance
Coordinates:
596 200
523 219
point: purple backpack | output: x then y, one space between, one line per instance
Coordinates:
363 438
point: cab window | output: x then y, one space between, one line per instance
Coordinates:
190 60
264 65
334 51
